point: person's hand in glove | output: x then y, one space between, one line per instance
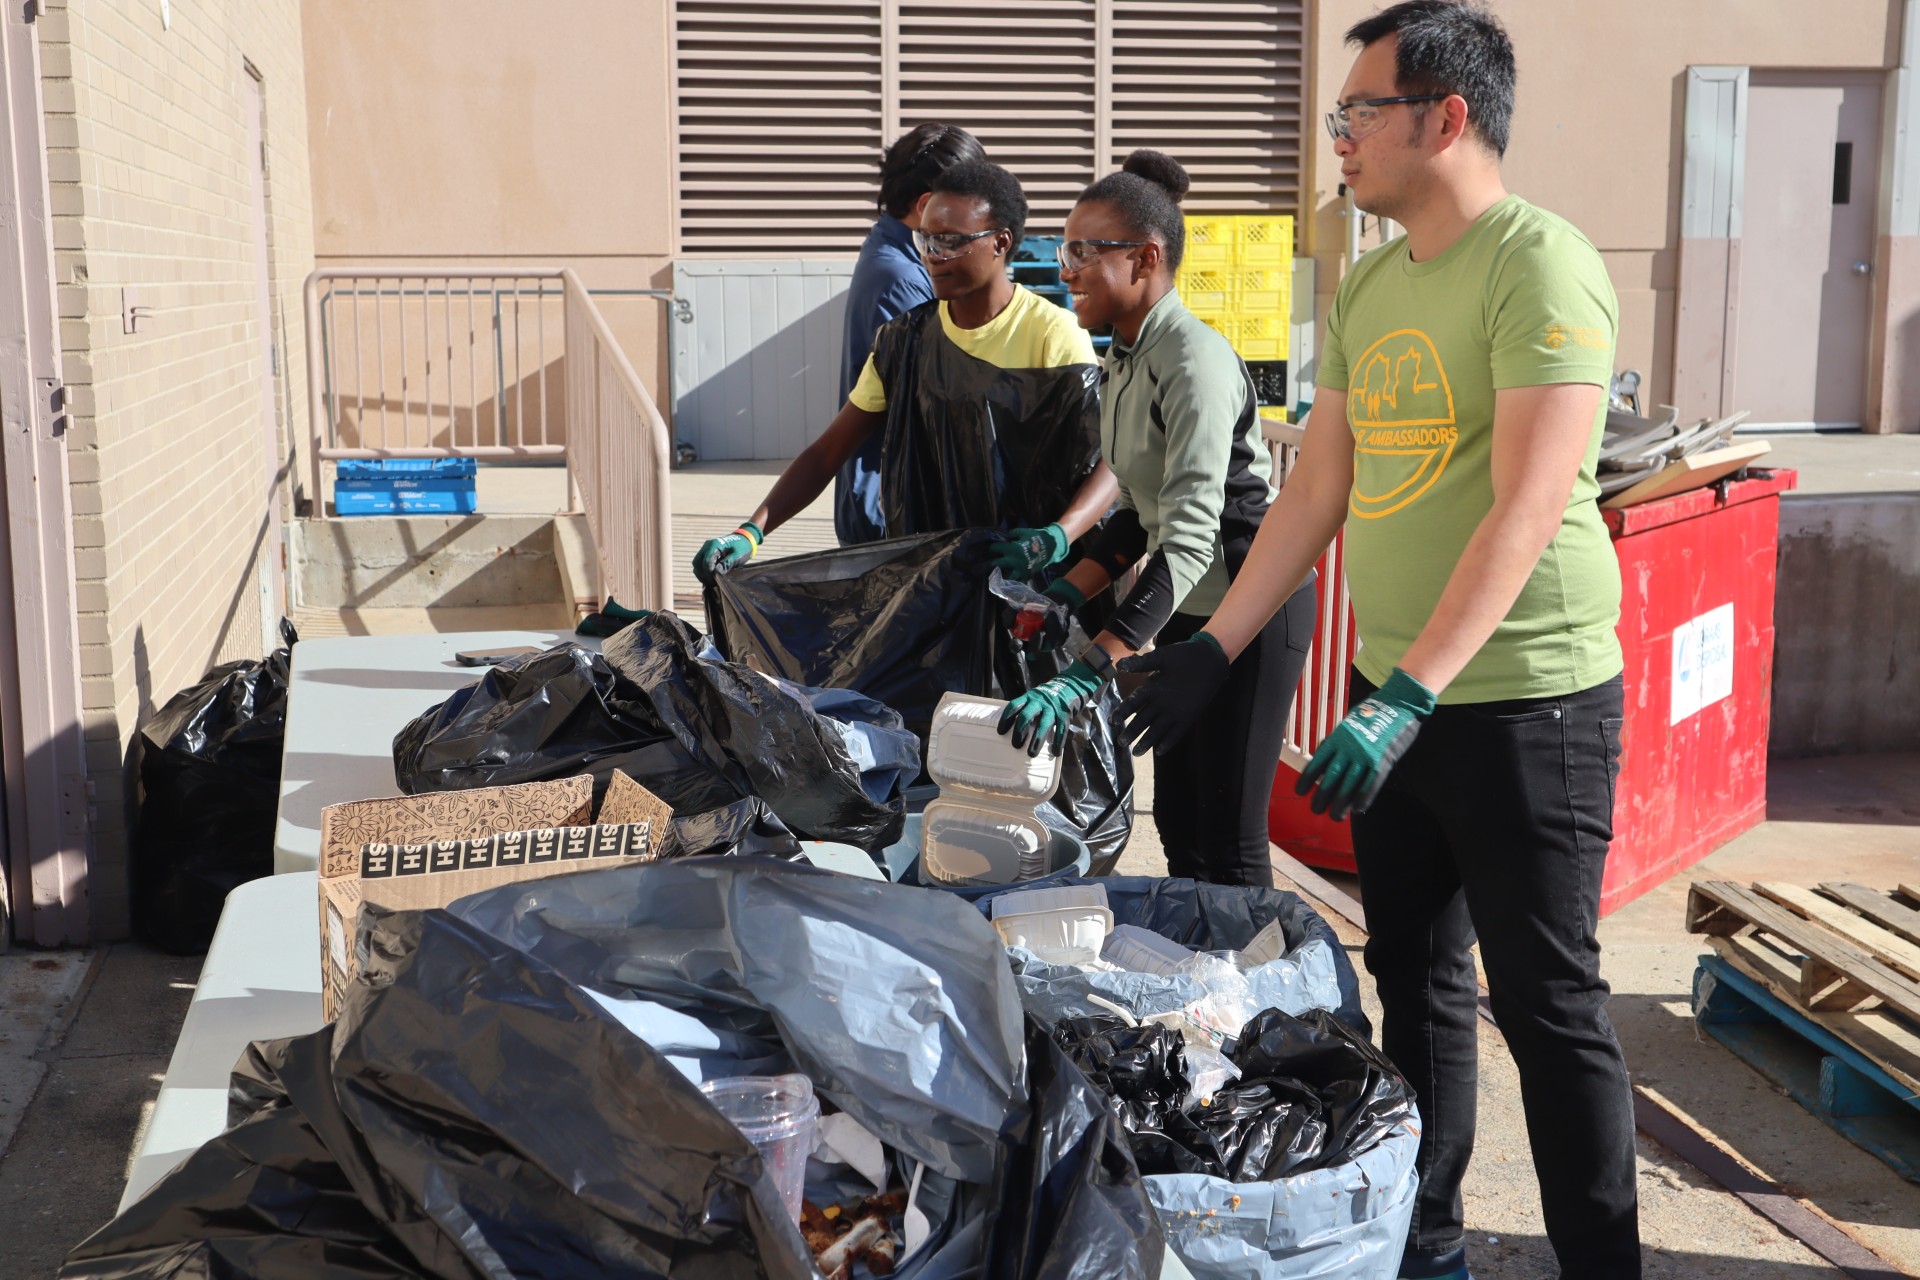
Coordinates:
717 555
1023 553
1040 715
1351 763
1050 632
1183 678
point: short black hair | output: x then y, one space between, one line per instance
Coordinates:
916 158
1146 193
993 186
1449 46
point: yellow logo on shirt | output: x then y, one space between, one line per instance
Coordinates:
1400 407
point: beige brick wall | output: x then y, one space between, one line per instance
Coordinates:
147 131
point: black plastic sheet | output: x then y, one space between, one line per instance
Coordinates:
479 1112
969 444
904 622
209 764
479 1116
699 733
1311 1094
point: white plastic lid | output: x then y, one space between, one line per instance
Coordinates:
966 749
1143 951
1070 897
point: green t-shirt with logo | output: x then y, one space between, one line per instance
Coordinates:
1522 299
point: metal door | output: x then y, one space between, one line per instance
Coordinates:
1806 257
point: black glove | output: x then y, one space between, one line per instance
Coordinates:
1185 677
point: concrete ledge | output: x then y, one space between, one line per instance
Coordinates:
393 562
1846 667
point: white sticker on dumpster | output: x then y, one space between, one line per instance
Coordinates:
1702 662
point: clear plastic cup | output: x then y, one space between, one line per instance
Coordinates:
778 1115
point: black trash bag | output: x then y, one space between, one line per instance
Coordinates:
1142 1068
745 827
905 622
699 733
968 444
555 714
1362 1094
1311 1094
827 778
1068 1208
476 1118
209 767
898 1004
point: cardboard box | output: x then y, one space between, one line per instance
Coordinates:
415 852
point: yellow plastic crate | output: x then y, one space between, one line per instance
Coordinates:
1265 241
1236 290
1255 337
1211 242
1207 290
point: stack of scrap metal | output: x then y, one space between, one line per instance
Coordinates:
1645 458
1636 448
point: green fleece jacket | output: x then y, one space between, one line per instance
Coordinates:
1180 426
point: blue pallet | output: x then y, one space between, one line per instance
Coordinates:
405 487
1844 1087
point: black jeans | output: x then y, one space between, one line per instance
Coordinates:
1211 789
1496 822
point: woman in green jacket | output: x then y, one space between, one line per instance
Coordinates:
1180 427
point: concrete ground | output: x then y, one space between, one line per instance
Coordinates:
1845 463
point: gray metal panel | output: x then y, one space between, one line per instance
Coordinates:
757 373
1714 176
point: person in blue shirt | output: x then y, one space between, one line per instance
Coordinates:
888 279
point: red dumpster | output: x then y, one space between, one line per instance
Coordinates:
1696 629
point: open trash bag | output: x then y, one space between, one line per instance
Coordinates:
209 763
698 732
475 1113
905 622
967 443
1313 971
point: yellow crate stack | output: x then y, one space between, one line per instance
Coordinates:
1237 275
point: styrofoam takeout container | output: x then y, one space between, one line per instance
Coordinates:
983 828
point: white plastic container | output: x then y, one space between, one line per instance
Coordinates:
982 829
779 1116
1144 951
1023 902
1066 925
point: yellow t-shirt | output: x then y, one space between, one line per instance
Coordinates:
1031 333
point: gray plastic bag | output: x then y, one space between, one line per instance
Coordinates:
1348 1222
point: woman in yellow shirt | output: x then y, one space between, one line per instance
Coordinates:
988 398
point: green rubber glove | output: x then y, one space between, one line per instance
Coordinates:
1023 553
1351 764
1040 715
717 555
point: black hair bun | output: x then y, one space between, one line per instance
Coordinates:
1160 169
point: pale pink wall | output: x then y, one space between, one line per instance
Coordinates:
486 133
1597 129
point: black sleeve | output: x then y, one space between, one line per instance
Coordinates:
1116 545
1148 606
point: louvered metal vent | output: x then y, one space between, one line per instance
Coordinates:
782 106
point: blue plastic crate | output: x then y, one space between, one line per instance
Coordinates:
405 487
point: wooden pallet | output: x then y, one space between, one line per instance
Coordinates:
1850 1092
1819 990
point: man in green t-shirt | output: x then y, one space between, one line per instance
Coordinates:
1454 435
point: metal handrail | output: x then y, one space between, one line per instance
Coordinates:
616 449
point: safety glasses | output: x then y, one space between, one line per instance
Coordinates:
941 245
1352 121
1075 254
